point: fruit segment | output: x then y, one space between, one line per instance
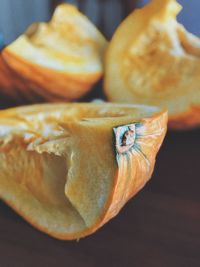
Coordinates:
61 58
69 168
156 62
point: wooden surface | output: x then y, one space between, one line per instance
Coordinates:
159 227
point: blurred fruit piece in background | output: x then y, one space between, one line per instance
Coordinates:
156 62
59 60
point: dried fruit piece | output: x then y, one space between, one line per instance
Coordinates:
69 168
62 57
153 60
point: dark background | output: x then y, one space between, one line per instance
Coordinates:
161 225
17 15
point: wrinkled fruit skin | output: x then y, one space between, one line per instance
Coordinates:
156 62
69 168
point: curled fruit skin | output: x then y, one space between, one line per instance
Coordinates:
69 168
156 62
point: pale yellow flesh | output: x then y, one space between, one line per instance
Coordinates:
156 60
59 165
68 43
33 184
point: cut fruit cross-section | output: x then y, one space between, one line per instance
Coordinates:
61 58
69 168
153 60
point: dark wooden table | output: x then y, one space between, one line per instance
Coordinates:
159 227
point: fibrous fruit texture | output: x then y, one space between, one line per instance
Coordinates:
153 60
69 168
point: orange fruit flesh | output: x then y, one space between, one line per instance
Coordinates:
69 168
63 56
157 62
